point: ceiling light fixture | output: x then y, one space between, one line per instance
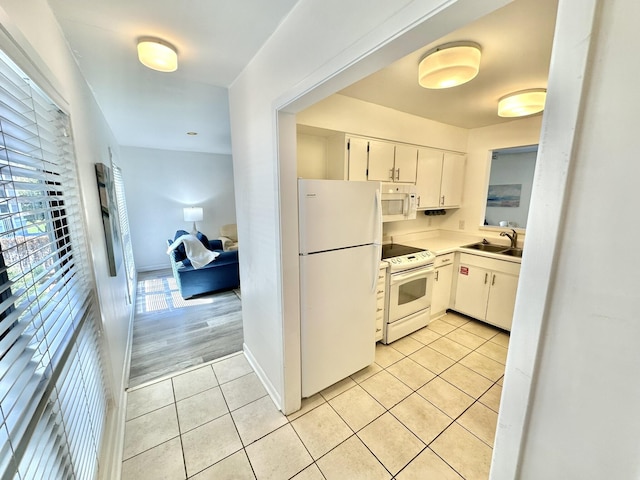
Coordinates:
157 54
522 103
449 65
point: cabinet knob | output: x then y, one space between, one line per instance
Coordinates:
493 282
442 200
486 277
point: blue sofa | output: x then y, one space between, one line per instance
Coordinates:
221 274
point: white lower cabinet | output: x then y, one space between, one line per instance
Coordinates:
486 289
441 295
381 299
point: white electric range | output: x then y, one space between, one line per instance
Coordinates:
409 287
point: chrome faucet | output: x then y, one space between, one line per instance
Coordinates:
513 237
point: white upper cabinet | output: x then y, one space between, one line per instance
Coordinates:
357 158
429 177
440 178
452 179
405 164
389 162
381 160
342 156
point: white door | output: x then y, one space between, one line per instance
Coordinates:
502 300
472 290
337 214
338 314
429 177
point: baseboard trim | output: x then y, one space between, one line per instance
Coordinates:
151 268
273 393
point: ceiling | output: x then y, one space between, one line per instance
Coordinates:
516 48
217 38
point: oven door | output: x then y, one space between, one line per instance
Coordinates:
410 292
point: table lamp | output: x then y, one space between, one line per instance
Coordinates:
193 214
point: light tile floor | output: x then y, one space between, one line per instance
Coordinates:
426 409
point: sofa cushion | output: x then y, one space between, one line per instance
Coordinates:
180 253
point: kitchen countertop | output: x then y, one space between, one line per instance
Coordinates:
450 242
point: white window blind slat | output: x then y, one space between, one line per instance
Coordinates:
125 232
53 395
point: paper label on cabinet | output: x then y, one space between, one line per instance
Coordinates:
464 270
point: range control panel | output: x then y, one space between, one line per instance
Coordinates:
411 260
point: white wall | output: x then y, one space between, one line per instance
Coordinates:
582 419
340 35
350 115
312 156
31 30
159 184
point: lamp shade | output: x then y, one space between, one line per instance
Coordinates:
522 103
193 214
449 65
157 54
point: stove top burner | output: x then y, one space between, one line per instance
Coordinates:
392 250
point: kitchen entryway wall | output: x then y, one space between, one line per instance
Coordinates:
344 114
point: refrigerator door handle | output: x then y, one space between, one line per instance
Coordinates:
378 218
377 241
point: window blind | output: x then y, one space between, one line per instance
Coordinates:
129 264
53 398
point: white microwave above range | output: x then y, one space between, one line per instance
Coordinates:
399 202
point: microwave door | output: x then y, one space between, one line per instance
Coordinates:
393 207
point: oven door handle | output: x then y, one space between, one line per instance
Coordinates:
417 273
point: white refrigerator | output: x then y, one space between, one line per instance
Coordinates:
340 234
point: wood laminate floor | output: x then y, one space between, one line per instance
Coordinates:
171 334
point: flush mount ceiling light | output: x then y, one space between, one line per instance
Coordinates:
522 103
449 65
157 54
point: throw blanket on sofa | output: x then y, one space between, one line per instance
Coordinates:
195 250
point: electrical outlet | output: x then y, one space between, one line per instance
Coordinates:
461 224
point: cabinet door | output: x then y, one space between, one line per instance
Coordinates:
357 155
381 156
452 180
441 290
502 299
472 290
429 177
406 159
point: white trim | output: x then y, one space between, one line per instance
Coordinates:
151 268
556 150
271 390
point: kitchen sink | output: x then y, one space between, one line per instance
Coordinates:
486 247
491 248
513 252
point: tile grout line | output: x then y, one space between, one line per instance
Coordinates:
175 404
